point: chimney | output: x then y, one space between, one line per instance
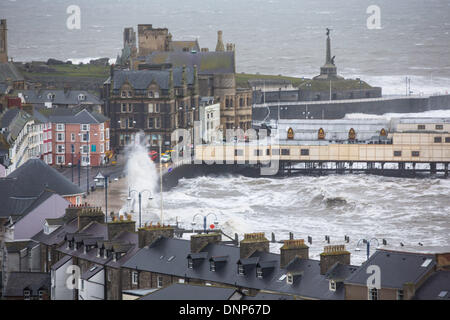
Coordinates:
443 261
253 242
148 234
331 255
199 241
219 46
292 249
89 214
117 226
71 212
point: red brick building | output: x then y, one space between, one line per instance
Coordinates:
71 137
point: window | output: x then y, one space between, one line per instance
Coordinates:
72 137
259 273
102 136
85 137
439 127
332 285
415 153
59 159
158 123
134 277
60 137
258 152
123 107
212 266
130 93
151 123
190 263
397 153
421 127
241 271
85 149
124 94
437 139
180 280
373 294
238 152
151 108
26 294
49 256
107 145
304 152
82 285
59 127
59 148
290 279
102 148
400 295
447 139
285 152
159 280
107 133
84 127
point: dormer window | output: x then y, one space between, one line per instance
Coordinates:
123 94
26 294
190 263
81 97
98 252
241 270
105 253
212 266
150 94
115 254
332 285
68 245
51 96
290 279
259 272
85 250
130 94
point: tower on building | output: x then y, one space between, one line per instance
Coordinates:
3 41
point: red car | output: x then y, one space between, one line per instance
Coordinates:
153 155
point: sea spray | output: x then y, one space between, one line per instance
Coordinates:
142 177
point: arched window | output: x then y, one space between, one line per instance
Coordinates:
321 134
383 133
290 134
352 134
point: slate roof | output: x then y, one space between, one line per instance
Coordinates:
156 259
141 79
179 291
56 236
33 281
70 97
91 272
436 287
178 46
14 120
397 268
3 88
17 246
268 296
31 178
8 71
84 116
207 62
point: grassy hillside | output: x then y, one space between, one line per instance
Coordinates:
316 85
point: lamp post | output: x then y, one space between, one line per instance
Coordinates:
204 220
106 177
367 242
140 200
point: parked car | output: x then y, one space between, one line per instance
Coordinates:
165 158
153 155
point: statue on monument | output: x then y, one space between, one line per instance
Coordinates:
332 60
328 32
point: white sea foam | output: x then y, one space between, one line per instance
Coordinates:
142 177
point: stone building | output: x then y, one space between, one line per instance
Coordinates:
3 41
155 101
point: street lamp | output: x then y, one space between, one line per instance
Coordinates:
367 242
106 177
204 220
140 199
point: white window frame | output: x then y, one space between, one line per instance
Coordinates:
241 270
58 135
60 160
60 127
159 281
84 127
134 277
371 292
332 285
60 149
